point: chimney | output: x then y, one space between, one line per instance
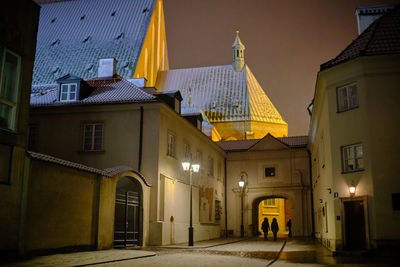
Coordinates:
107 68
368 14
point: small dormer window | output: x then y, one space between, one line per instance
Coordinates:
68 92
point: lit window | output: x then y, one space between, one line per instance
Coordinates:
270 202
93 137
10 64
270 172
68 92
347 97
171 145
352 158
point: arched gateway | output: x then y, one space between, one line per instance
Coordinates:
270 207
128 221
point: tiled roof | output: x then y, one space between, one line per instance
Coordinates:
105 91
243 145
380 38
74 35
223 94
110 172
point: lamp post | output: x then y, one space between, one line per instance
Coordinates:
187 166
241 186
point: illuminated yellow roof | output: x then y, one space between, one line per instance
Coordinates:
223 94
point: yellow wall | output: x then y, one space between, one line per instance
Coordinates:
235 130
277 212
154 55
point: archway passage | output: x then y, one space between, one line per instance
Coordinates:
128 221
270 208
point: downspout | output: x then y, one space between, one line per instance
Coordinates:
226 204
23 206
312 194
140 140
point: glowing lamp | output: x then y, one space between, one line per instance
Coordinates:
352 190
196 167
241 183
186 165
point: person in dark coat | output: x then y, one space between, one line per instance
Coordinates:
274 228
265 228
289 226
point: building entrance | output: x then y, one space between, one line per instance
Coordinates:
127 223
270 208
354 224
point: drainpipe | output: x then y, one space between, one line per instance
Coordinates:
312 193
140 140
23 205
226 204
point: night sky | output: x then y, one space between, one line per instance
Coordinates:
286 41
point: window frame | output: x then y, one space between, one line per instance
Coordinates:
69 99
210 169
171 150
12 104
92 140
356 159
270 205
340 100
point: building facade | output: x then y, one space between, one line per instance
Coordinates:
117 123
276 177
17 53
353 141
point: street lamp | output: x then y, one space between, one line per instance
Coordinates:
187 166
241 186
352 190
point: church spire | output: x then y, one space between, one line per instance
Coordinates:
238 54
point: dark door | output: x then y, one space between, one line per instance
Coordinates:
127 216
355 224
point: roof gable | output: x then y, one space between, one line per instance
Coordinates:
268 142
74 35
380 38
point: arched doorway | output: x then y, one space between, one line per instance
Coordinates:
271 207
128 213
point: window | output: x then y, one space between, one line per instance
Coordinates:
93 140
68 92
347 97
199 157
270 172
187 151
10 64
210 166
352 158
270 202
171 145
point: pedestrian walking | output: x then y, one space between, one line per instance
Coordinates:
289 226
274 228
265 228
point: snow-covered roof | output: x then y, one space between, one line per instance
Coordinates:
222 93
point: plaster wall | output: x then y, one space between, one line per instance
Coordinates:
374 125
174 183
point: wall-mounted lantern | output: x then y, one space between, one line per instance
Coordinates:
352 190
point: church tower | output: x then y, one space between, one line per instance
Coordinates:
238 54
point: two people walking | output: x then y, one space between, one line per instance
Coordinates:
274 228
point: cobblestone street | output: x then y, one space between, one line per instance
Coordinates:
220 252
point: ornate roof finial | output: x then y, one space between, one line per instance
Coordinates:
238 54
